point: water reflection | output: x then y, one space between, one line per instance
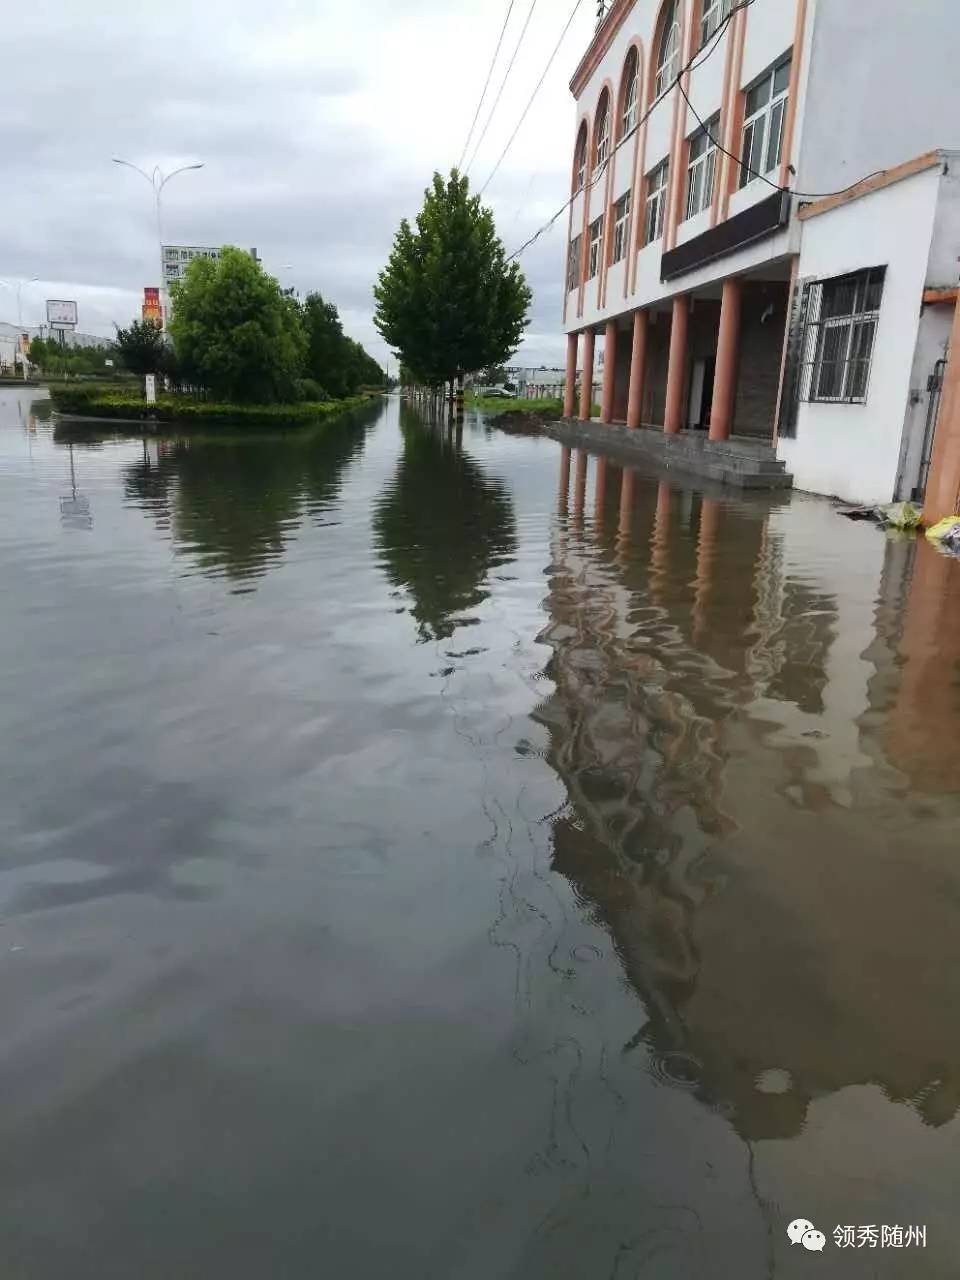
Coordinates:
234 504
441 525
737 814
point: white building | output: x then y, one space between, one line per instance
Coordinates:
765 230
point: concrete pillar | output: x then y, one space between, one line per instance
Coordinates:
659 548
728 343
599 490
638 368
586 378
943 482
706 555
627 491
565 480
570 385
580 484
677 364
609 371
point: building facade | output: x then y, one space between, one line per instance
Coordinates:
764 233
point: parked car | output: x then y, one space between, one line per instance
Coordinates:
499 393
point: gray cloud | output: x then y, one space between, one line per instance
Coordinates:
318 126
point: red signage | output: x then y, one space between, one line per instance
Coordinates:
152 310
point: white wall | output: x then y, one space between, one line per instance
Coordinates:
883 87
943 268
933 338
852 451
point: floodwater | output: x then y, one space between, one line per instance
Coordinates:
445 856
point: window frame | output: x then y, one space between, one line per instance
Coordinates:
655 200
712 13
630 109
580 160
705 164
574 253
621 225
595 242
850 365
761 118
602 137
668 64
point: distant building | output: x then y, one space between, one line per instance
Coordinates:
774 254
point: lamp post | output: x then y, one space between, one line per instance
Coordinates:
19 291
157 180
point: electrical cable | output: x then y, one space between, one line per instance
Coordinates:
539 84
503 85
803 195
695 61
486 83
691 65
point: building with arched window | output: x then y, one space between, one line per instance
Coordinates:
768 247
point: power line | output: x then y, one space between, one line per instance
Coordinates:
556 50
486 83
690 66
503 84
803 195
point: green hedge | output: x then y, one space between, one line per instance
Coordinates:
92 402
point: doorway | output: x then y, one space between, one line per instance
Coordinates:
701 393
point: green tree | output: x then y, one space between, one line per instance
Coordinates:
335 361
142 347
448 301
235 331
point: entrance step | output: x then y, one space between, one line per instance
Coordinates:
741 462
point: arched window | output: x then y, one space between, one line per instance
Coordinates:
580 159
601 132
630 93
668 50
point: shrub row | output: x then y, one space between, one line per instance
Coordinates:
93 402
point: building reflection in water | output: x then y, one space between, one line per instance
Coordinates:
752 715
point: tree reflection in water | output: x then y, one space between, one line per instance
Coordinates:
235 503
441 526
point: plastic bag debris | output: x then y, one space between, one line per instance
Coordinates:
946 534
894 515
901 515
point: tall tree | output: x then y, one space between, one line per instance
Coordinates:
335 361
235 331
142 348
448 301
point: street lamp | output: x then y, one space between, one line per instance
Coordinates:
158 180
20 284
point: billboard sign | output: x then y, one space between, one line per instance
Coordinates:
177 257
61 314
152 309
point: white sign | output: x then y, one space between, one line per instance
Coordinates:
177 257
150 382
61 314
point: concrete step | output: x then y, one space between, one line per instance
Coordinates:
742 462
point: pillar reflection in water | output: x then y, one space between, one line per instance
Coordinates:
580 485
564 486
687 737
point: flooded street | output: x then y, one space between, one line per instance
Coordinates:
450 857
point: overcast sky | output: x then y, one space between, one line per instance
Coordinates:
318 125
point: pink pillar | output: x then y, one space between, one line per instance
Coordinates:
586 378
942 497
609 371
677 364
570 386
638 368
725 378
